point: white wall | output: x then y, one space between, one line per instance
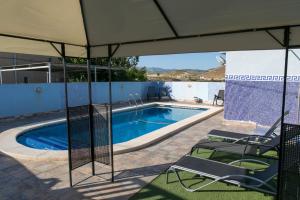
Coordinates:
188 90
20 99
23 99
182 91
263 63
120 91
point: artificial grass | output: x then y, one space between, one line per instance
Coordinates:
158 189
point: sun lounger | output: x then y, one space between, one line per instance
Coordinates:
164 92
152 93
220 96
263 145
238 136
217 171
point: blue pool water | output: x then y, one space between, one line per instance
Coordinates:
127 125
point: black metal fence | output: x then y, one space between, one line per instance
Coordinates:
79 133
81 146
101 134
290 163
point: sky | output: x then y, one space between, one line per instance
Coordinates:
181 61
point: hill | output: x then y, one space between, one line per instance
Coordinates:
215 74
162 70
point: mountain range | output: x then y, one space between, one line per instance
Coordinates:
214 74
162 70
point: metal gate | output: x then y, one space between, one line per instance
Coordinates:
89 145
79 136
101 134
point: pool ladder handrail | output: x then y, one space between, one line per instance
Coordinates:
134 100
136 105
129 102
136 111
140 98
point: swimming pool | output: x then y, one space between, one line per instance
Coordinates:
127 125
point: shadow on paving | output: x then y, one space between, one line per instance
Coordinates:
127 183
17 182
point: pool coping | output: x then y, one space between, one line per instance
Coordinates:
11 147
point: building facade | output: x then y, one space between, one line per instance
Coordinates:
254 84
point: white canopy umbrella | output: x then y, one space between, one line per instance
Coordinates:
143 27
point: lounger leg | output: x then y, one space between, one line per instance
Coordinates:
243 155
189 189
192 150
167 177
213 152
167 174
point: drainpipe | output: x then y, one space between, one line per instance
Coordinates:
95 74
1 81
15 72
49 73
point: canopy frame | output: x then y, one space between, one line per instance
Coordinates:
266 29
162 12
176 37
282 132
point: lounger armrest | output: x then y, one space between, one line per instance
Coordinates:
259 181
265 145
249 160
251 138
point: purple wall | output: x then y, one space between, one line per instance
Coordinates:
259 101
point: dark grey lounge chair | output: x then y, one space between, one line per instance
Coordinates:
233 136
152 93
158 93
217 171
263 145
220 96
164 92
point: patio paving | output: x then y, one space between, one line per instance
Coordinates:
21 179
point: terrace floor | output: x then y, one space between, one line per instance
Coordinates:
21 179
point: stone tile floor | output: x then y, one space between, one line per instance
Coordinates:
21 179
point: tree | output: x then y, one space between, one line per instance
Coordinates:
125 69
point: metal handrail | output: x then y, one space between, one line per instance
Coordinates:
131 95
140 98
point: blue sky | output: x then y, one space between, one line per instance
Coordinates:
181 61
